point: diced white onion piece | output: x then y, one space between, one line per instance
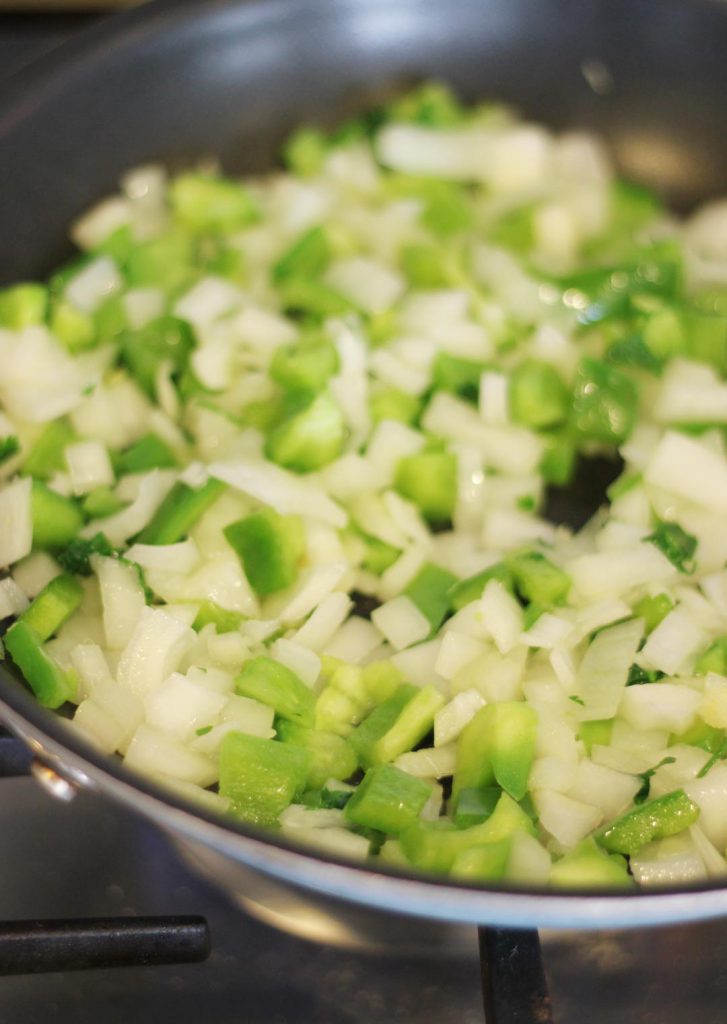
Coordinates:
339 842
629 761
299 816
690 393
97 726
672 861
528 862
262 329
95 283
16 536
115 413
370 286
417 665
566 819
429 762
151 752
12 599
181 557
178 707
131 520
401 622
207 301
221 579
710 793
35 572
686 468
674 643
391 441
228 650
315 584
494 398
143 305
122 597
330 614
90 230
497 677
612 573
402 572
660 706
395 372
591 617
714 862
284 491
610 790
502 616
89 465
154 651
457 651
91 666
713 706
459 154
450 720
604 670
354 641
506 529
549 631
302 661
552 774
36 397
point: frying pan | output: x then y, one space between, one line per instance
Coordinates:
176 81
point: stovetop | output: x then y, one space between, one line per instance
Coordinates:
89 858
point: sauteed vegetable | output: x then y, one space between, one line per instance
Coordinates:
277 467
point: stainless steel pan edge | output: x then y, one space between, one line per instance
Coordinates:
35 159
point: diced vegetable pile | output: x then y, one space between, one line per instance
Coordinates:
275 455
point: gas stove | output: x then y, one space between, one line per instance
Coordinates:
90 859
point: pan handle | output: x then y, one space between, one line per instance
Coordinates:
38 947
514 988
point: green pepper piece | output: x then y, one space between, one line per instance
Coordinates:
364 737
166 340
387 799
56 520
56 602
50 684
429 590
461 376
149 452
222 619
605 402
415 720
497 745
538 396
179 511
486 863
261 777
308 439
476 805
434 845
714 659
665 816
305 365
47 455
23 305
270 548
429 480
331 756
206 203
275 685
463 593
308 257
590 867
537 579
392 404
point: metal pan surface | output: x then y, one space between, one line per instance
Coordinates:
174 81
